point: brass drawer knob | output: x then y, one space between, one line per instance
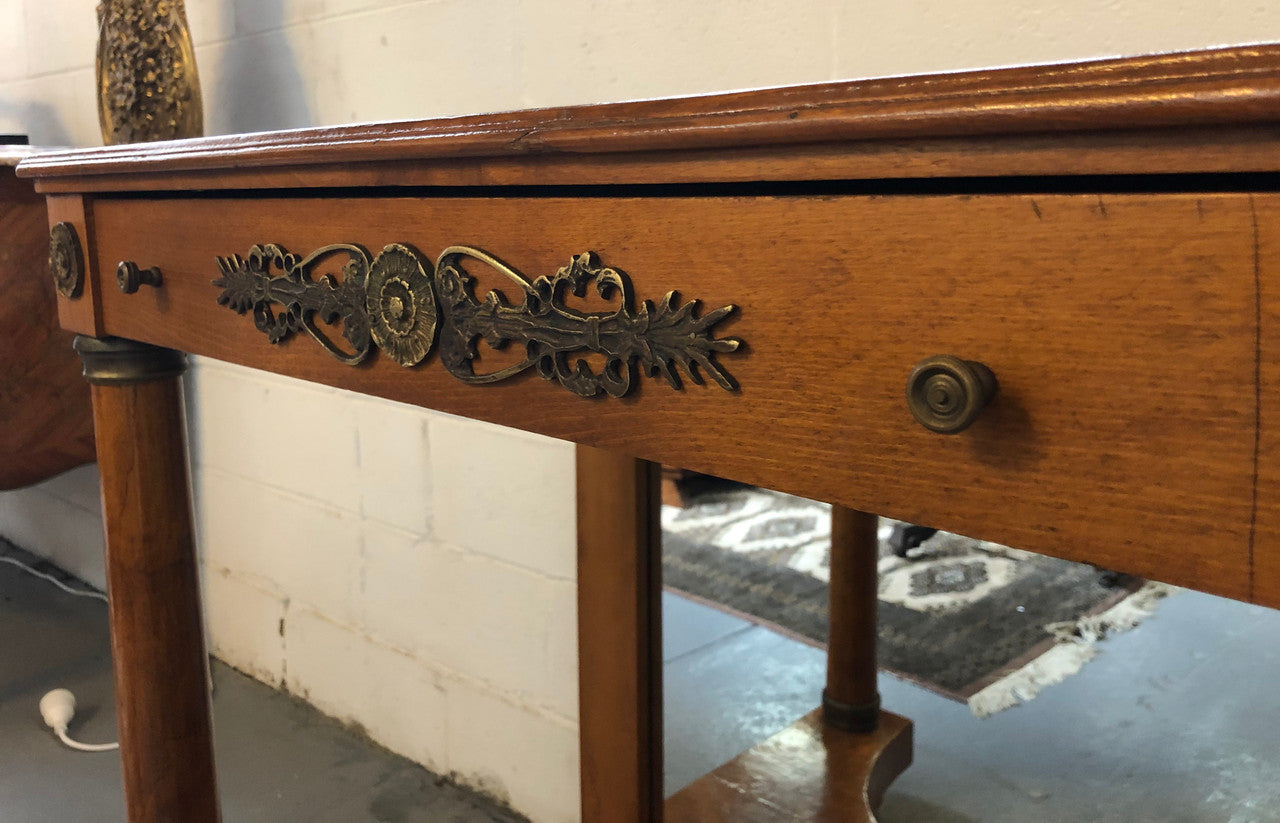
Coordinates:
946 394
129 277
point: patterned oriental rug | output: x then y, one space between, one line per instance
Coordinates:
980 623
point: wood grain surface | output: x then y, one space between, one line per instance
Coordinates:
619 637
83 314
1237 86
46 424
1226 150
157 649
1122 330
807 771
1264 546
853 607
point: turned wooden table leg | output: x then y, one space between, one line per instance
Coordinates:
619 637
851 701
834 764
162 699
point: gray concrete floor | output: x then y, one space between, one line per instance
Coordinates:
278 760
1177 721
1174 722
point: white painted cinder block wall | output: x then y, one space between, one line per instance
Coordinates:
408 571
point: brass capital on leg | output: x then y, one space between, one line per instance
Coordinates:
115 361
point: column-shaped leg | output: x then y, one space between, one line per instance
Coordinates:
851 700
834 764
619 637
162 700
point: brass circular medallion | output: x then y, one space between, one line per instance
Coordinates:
66 262
401 305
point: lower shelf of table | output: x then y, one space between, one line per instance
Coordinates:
807 771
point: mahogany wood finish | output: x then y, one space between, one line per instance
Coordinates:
84 314
1122 433
1264 544
619 637
1226 150
808 771
1129 318
1237 87
851 640
46 424
162 702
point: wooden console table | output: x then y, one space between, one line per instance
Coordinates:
1100 241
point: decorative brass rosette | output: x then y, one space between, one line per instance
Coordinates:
66 261
402 303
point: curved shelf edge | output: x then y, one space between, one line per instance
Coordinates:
807 771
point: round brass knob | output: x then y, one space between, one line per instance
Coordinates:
129 277
946 394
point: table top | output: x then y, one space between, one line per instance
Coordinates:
1175 113
11 154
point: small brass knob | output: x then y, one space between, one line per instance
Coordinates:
129 277
946 394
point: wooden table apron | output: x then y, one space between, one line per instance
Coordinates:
1123 433
1131 321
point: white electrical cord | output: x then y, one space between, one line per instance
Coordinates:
55 581
86 747
59 706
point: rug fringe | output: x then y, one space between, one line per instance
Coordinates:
1076 646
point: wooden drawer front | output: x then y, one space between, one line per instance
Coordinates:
1122 331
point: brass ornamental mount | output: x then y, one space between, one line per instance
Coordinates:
946 394
404 305
66 260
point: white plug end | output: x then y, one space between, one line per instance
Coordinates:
57 708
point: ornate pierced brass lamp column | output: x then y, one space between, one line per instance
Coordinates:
148 87
162 700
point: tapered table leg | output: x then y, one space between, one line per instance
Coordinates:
851 701
834 764
619 637
162 700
